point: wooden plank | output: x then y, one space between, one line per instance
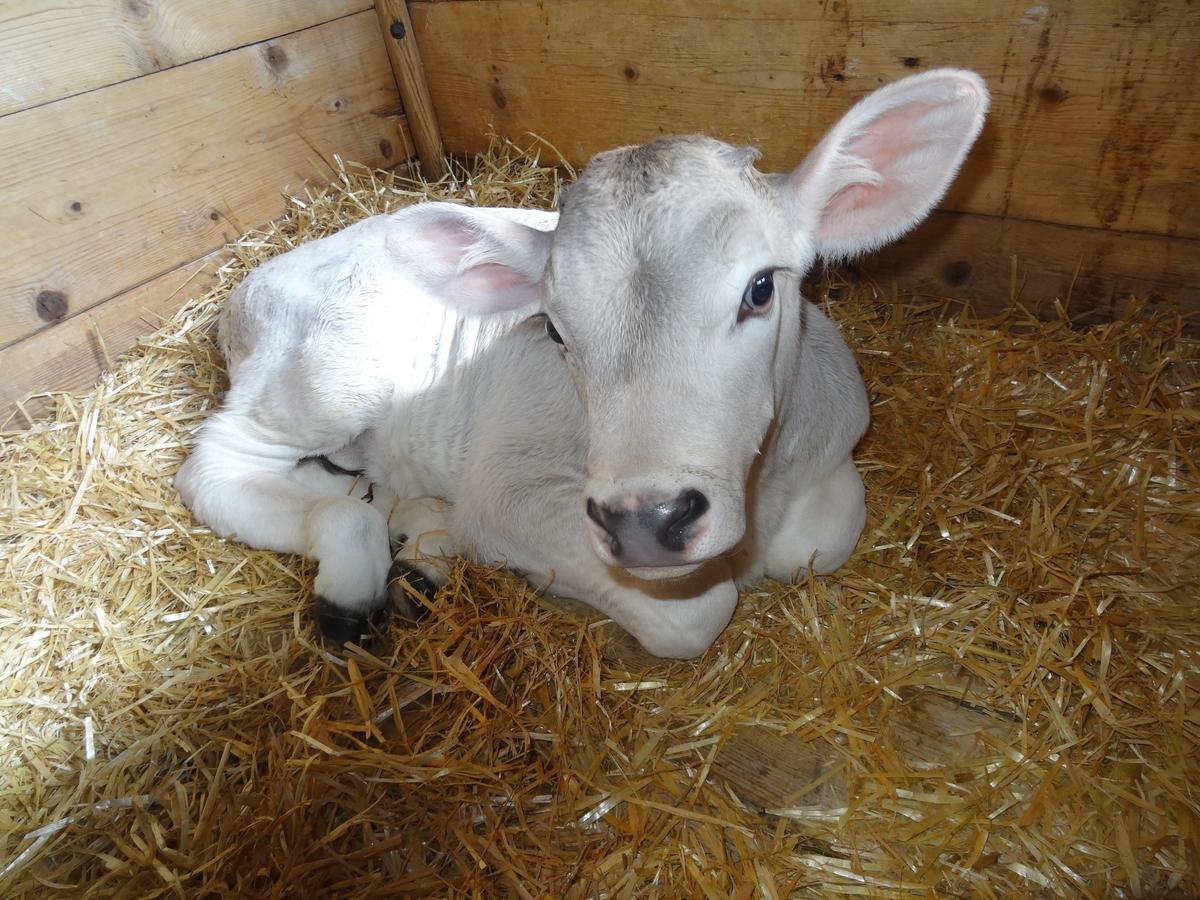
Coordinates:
771 770
108 189
414 90
970 258
929 729
70 356
53 50
1095 117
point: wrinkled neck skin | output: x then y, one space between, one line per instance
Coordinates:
805 387
421 445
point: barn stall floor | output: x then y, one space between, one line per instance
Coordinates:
997 695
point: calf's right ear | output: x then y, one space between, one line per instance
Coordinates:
474 260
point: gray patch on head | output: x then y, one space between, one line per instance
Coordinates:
627 198
628 174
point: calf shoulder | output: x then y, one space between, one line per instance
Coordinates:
303 341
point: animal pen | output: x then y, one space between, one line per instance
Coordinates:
996 696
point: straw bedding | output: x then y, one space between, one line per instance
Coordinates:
996 696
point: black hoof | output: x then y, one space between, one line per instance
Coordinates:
339 626
402 574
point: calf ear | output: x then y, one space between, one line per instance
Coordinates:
474 260
885 165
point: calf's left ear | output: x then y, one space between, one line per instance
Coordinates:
474 260
884 166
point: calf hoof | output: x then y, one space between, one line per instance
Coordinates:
341 626
402 581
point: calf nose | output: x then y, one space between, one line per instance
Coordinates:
671 522
668 522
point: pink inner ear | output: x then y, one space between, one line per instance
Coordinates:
492 288
892 136
446 239
887 144
852 198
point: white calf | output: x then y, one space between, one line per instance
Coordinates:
632 404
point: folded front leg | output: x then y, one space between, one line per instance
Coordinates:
258 493
677 618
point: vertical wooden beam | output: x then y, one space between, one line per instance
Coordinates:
414 89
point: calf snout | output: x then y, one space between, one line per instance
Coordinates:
639 532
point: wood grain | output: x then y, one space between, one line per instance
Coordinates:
108 189
772 770
930 729
970 257
71 356
1095 117
405 60
53 50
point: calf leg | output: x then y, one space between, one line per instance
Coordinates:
676 619
822 525
421 528
549 543
249 488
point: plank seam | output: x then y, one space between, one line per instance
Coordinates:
276 37
1092 229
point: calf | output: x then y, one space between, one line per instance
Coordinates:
629 402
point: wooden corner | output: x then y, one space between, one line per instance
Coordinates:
401 43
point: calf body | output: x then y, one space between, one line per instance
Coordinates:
631 405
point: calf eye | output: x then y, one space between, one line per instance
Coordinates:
758 296
553 332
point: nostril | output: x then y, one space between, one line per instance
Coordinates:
683 513
695 505
603 517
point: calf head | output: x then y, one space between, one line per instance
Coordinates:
665 285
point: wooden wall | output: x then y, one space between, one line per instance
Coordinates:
138 136
1087 172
